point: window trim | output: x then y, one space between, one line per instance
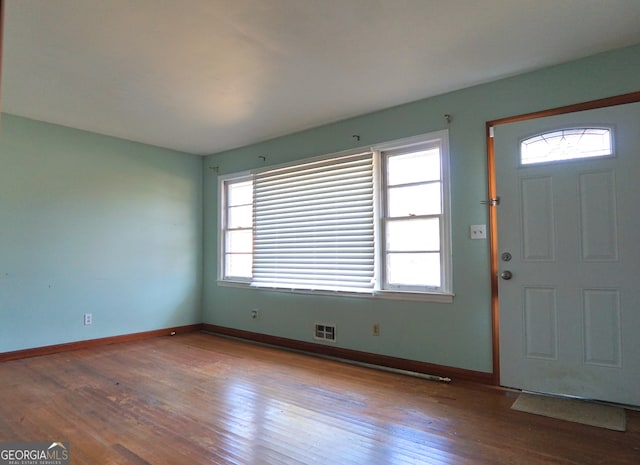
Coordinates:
444 294
439 297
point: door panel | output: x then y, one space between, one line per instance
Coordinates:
598 216
570 314
538 226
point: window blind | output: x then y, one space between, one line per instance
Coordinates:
314 225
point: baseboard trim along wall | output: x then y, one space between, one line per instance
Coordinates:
454 373
396 363
69 346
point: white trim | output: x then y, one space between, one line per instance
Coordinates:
413 140
447 253
437 297
378 206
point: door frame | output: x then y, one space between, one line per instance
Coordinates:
493 200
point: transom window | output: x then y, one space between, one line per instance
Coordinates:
566 144
339 223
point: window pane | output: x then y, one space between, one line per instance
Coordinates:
240 241
239 193
413 269
566 144
423 199
238 265
413 235
414 167
240 217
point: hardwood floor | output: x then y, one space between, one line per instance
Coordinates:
200 399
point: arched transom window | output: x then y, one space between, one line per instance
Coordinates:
566 144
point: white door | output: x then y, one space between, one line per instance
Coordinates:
570 314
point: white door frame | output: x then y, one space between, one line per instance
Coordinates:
493 199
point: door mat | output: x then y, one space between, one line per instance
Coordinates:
577 411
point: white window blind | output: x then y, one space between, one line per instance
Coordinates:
314 225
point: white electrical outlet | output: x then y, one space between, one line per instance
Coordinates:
88 319
478 231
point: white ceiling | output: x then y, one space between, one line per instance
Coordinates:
202 76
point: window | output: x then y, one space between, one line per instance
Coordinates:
238 229
413 218
373 222
566 144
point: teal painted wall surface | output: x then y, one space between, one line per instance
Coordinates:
457 334
94 224
128 232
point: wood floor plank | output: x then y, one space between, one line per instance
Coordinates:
201 399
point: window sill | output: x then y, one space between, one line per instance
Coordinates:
387 295
445 298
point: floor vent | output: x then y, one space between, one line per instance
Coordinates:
324 332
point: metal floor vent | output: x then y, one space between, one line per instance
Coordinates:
325 332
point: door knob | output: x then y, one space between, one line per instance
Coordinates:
506 275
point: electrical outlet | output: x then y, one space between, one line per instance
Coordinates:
255 313
478 231
376 329
88 319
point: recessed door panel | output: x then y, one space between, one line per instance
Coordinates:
598 216
538 231
541 323
602 332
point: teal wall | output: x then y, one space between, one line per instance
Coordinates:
128 232
457 334
94 224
